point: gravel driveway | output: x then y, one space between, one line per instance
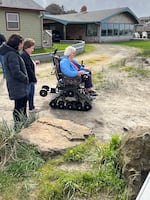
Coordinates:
104 118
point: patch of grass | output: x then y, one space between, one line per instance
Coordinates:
23 178
95 59
119 64
18 162
88 48
134 71
110 84
128 68
137 72
102 176
97 77
140 44
61 47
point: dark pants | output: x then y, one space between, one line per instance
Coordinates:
31 96
20 110
87 79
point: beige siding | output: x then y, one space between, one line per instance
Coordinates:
30 25
121 18
3 23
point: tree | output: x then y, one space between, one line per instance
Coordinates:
55 9
70 11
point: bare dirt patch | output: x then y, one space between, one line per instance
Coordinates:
124 104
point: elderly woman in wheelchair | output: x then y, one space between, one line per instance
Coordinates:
71 68
74 87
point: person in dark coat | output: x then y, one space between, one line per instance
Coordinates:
16 76
2 40
28 48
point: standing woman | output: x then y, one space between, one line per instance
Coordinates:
28 48
16 76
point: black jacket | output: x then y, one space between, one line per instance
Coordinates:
30 66
2 39
16 73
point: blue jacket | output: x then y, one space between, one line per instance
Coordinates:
68 69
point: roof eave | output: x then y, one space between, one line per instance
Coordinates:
121 11
8 7
65 22
83 22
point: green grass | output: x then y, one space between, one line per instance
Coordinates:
47 50
61 47
137 71
101 173
141 44
27 176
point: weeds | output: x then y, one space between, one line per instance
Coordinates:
110 84
28 175
137 71
103 174
119 64
17 159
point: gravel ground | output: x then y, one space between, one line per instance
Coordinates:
124 104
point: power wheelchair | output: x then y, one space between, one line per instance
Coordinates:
70 92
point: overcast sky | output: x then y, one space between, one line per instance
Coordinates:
141 8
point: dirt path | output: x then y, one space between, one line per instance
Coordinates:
123 103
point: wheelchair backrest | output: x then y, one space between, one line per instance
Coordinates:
56 62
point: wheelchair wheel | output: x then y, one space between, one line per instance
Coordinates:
46 87
69 105
87 106
70 93
43 93
52 104
61 105
79 106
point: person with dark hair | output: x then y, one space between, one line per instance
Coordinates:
28 48
2 40
16 77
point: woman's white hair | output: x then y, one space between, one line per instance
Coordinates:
68 51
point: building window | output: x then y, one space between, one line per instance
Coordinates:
12 21
115 29
110 29
104 30
121 32
91 30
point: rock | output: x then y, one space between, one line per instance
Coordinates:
135 156
52 136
